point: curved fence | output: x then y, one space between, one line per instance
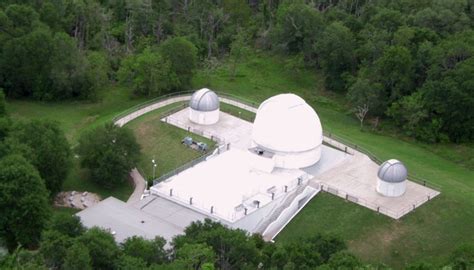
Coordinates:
251 106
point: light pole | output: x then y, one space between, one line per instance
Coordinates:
154 168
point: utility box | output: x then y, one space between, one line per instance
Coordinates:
202 146
187 141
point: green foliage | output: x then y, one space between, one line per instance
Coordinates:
53 248
23 202
364 92
149 251
297 27
463 257
335 49
3 109
233 248
103 250
195 256
148 73
182 56
126 262
50 153
238 50
77 257
109 153
344 261
67 224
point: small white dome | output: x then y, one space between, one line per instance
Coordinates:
286 123
204 100
392 171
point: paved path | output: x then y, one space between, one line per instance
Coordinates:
140 186
352 179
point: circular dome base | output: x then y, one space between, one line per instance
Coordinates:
388 189
203 118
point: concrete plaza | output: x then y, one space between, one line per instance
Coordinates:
350 176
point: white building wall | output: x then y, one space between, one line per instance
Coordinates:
391 189
204 118
254 219
297 160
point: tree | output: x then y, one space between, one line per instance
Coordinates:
23 202
238 51
25 64
109 153
344 261
102 248
149 251
364 92
67 224
394 70
296 29
335 49
182 55
148 73
54 246
449 99
126 262
50 153
411 115
361 112
233 248
77 258
68 71
195 256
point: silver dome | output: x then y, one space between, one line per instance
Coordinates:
204 100
392 171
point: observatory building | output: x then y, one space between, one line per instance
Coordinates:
204 107
287 129
392 178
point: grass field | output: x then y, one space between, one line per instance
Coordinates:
430 233
162 142
74 118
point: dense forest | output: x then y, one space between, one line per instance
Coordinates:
409 62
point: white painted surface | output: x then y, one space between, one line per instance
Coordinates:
289 213
285 123
391 189
203 117
227 181
290 128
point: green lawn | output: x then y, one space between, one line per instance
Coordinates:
162 142
74 118
431 233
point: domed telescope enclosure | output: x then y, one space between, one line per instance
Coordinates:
204 107
392 178
288 128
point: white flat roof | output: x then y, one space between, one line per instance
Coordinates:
226 182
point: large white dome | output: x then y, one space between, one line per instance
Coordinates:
286 123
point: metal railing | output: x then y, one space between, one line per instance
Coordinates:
380 209
254 105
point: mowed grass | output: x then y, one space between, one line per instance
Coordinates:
162 142
75 118
430 233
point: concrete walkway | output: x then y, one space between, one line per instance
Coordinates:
353 180
140 186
